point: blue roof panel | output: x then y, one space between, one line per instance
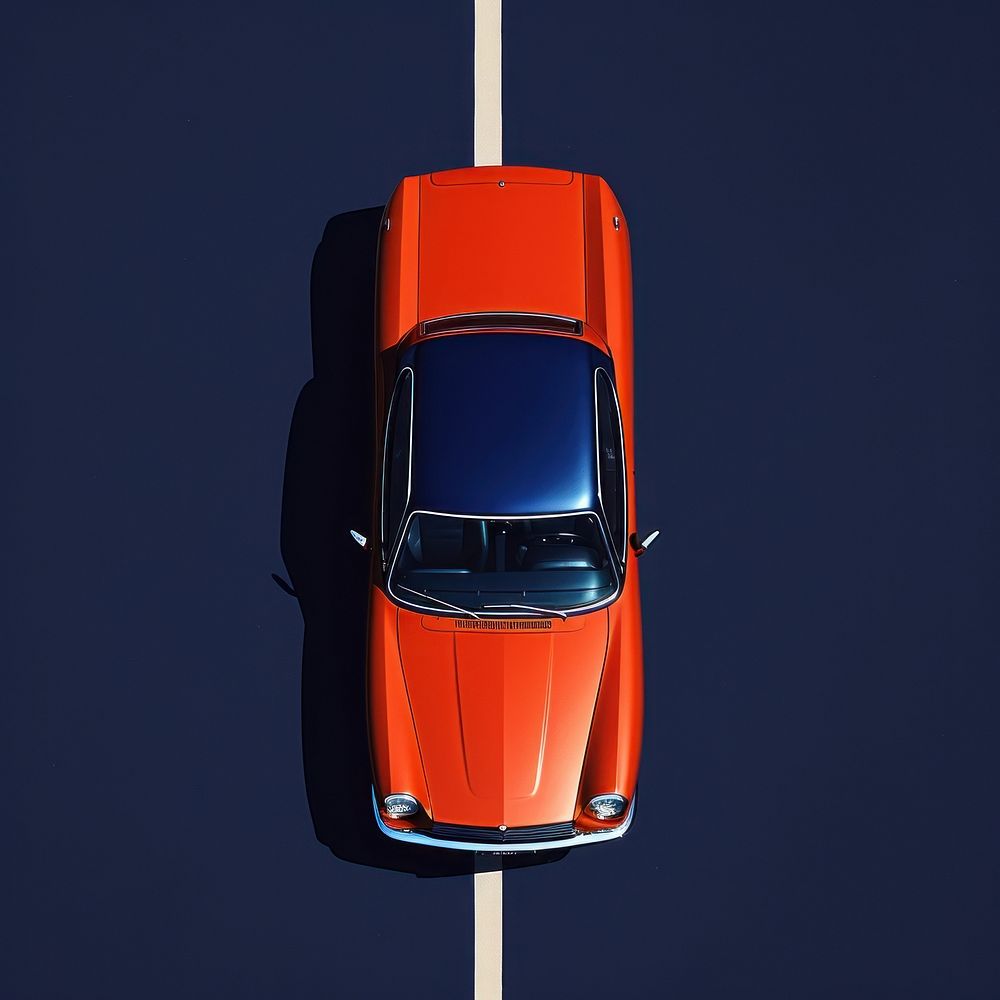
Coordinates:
504 424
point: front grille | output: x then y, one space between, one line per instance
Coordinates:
493 835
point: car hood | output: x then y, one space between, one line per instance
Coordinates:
502 711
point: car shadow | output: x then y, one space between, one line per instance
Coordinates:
327 491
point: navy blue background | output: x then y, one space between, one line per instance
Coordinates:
811 191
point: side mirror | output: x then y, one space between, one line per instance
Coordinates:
359 538
640 547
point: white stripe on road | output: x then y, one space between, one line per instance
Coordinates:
488 145
489 935
488 151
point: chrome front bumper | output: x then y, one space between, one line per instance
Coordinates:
577 840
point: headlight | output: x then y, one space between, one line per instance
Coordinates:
606 806
401 805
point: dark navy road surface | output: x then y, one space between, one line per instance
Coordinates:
811 190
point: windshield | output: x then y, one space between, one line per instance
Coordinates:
448 565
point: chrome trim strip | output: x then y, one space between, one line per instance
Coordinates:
578 840
621 437
394 399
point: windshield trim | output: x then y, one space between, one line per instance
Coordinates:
483 612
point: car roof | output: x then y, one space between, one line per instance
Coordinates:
503 424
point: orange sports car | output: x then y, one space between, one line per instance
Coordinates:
505 640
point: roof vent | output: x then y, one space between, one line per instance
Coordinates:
502 321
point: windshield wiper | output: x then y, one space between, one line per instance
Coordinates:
431 597
528 607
